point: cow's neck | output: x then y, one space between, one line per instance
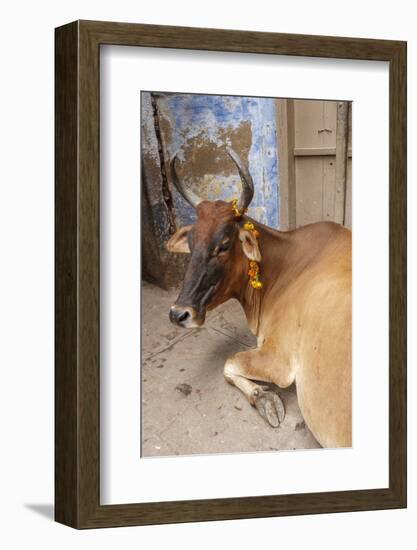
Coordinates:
273 247
251 300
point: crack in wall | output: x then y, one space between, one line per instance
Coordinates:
166 192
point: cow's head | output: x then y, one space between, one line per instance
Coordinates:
220 249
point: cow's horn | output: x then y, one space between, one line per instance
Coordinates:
188 195
247 182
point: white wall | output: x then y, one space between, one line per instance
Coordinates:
26 290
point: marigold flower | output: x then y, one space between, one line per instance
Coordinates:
253 271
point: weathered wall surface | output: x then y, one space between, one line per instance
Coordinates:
158 216
199 127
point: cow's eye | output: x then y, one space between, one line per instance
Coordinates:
224 246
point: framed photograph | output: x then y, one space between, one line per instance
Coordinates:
230 274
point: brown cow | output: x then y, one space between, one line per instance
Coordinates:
302 315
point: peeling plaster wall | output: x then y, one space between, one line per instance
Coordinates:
198 128
158 219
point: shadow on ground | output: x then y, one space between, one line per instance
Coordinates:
45 510
187 406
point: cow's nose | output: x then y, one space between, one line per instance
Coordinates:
180 315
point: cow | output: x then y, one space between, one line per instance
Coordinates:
297 302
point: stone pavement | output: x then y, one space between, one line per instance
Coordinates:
187 405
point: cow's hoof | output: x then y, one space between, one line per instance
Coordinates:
270 406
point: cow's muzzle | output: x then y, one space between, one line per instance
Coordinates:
185 316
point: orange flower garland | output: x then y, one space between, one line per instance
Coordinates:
237 212
253 266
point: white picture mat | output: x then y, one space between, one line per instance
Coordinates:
125 477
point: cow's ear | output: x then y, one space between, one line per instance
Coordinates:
250 245
179 241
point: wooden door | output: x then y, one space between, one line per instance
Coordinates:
315 141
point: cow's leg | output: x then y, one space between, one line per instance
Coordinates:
241 369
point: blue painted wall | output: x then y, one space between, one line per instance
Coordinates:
192 124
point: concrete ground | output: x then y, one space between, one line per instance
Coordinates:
187 405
